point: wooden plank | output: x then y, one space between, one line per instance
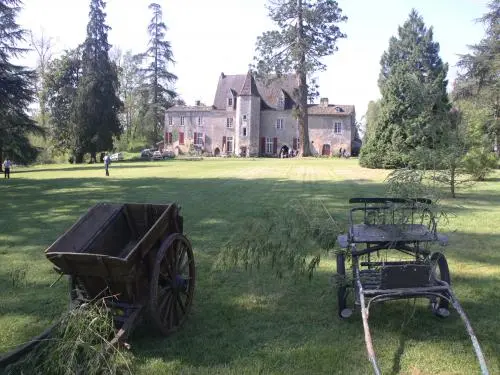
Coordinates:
367 233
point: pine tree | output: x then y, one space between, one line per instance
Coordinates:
157 77
479 81
308 31
414 106
16 92
96 105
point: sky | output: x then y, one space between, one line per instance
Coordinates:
210 37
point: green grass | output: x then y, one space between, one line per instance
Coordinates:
248 323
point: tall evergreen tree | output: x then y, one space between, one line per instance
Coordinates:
414 106
479 81
97 105
308 31
158 79
16 90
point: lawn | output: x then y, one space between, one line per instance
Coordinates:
242 322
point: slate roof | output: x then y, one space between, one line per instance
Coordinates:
186 108
245 84
332 109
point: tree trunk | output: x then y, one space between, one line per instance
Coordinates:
305 149
1 159
93 158
79 157
452 181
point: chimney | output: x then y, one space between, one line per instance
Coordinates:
323 102
197 103
222 75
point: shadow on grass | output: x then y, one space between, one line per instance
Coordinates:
89 167
238 316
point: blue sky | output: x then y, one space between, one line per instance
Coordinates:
210 37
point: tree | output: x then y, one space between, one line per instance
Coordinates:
43 47
158 79
62 78
308 31
479 81
16 90
96 104
414 104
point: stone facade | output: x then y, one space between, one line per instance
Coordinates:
250 118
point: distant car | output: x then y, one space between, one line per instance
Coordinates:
157 155
167 154
146 153
117 156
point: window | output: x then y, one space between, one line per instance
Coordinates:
198 139
229 122
170 120
200 121
229 102
244 117
168 138
229 146
244 132
181 138
182 120
279 123
337 128
281 102
269 145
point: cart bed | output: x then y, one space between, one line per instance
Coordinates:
111 238
369 233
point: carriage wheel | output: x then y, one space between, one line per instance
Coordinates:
440 271
172 284
343 311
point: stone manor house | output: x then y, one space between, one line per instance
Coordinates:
249 118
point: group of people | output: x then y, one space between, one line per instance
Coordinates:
343 153
7 164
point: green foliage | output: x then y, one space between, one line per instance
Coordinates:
96 104
78 345
414 106
157 79
478 81
62 79
307 31
16 86
287 240
479 163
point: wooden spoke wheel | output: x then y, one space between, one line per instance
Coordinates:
440 271
343 311
172 284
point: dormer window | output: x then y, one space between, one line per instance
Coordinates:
281 102
338 109
229 102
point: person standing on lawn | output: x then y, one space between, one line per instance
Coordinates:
107 161
6 167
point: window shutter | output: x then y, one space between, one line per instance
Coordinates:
195 137
181 138
170 138
275 145
262 145
205 140
294 147
223 143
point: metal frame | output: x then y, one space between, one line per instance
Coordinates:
366 294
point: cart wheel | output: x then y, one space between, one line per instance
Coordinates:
172 283
77 292
440 272
343 311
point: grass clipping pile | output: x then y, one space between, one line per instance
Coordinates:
79 344
289 241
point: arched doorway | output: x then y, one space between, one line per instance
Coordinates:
217 151
284 151
326 150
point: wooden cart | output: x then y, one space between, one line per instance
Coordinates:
136 256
